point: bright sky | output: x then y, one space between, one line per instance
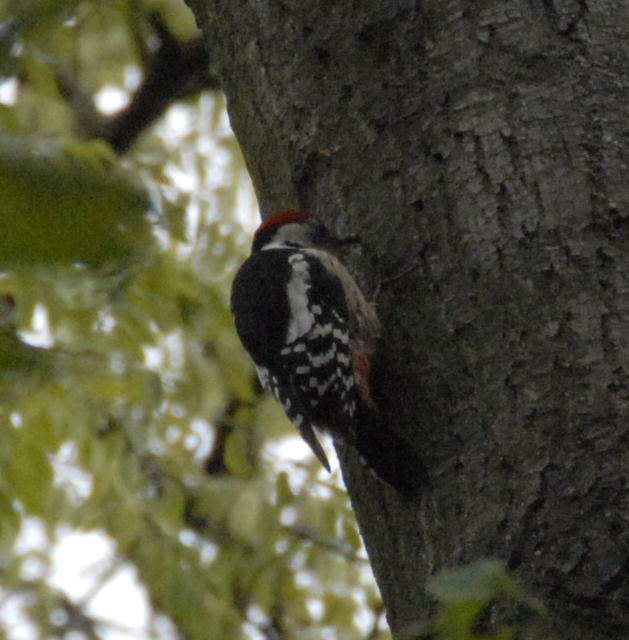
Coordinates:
85 568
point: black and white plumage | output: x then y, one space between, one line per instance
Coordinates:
311 334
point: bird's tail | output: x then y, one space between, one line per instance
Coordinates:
389 455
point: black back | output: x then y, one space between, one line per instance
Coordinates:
261 311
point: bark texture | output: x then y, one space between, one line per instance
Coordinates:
486 143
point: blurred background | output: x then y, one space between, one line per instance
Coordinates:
148 489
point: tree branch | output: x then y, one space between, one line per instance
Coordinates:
327 543
175 70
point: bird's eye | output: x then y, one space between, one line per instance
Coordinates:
321 234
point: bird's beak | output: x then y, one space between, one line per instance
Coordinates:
341 242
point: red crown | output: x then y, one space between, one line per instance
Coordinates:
282 217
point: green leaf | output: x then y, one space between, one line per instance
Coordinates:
53 210
40 74
18 358
29 475
9 524
350 532
236 455
244 516
285 494
464 592
153 391
481 580
455 621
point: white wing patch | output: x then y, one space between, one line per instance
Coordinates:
301 317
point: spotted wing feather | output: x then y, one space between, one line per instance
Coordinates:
303 350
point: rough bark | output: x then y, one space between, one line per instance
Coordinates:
486 143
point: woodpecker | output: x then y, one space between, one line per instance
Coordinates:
312 335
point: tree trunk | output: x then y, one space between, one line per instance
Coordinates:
485 145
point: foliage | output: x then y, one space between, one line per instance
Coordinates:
127 407
59 211
482 600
